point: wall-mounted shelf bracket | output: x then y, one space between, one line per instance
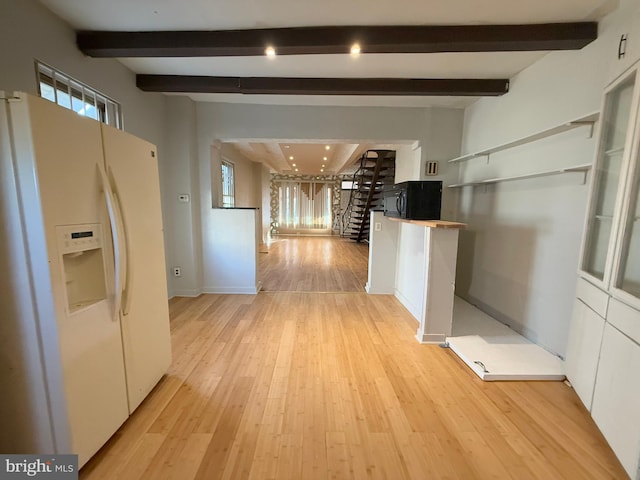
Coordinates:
591 124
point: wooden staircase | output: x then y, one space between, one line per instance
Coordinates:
377 169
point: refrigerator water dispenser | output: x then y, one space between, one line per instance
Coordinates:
83 264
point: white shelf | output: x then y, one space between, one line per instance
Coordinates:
576 168
588 120
493 351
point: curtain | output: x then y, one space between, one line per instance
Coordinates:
304 205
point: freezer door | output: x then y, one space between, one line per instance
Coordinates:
58 152
132 169
34 413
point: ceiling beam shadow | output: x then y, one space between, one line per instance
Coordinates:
323 86
339 39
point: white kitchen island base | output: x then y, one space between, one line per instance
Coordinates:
496 352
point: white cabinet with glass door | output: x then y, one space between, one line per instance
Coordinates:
604 342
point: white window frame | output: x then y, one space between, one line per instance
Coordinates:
70 93
227 184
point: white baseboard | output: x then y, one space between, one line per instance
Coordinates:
232 290
416 312
186 293
431 338
375 291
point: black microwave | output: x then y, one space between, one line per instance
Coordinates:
415 200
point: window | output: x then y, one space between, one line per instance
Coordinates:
304 205
228 194
82 99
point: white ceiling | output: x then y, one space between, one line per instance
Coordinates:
242 14
301 158
140 15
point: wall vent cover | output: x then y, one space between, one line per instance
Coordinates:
431 169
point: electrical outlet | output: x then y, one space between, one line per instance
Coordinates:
177 272
377 226
183 197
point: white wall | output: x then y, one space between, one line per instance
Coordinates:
445 130
182 220
30 32
408 160
519 256
265 191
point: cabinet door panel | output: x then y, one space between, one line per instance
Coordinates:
616 398
606 184
583 350
592 296
625 319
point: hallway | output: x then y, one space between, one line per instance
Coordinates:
314 264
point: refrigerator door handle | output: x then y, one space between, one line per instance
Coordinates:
125 303
117 242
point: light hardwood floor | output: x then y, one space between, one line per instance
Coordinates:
314 264
297 385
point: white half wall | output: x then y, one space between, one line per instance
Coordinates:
410 281
231 253
383 251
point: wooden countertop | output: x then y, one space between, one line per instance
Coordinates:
431 223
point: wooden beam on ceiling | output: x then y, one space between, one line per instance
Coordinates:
338 40
323 86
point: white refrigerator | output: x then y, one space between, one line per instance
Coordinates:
84 332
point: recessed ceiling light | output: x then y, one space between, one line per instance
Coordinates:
327 147
294 164
323 165
286 146
322 169
270 52
291 157
355 50
324 158
296 169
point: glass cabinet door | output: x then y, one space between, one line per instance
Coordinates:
628 276
600 225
